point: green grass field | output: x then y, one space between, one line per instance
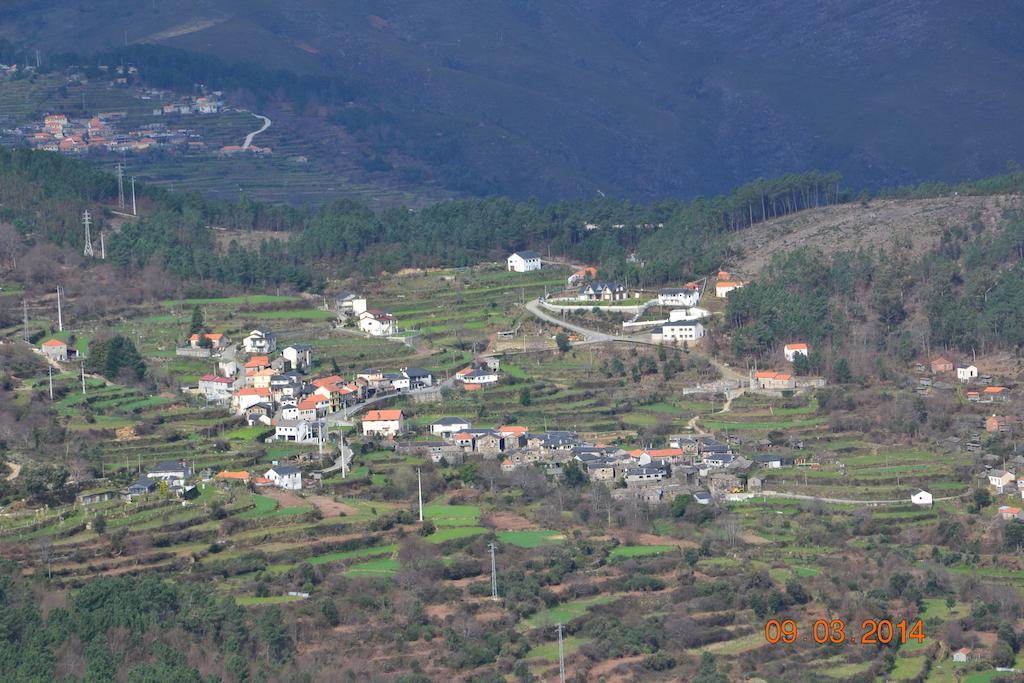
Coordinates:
380 568
566 612
530 538
627 551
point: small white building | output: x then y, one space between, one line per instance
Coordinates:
791 350
675 332
1000 479
55 349
723 287
684 314
300 356
299 431
603 291
389 423
480 376
216 388
524 261
962 655
966 373
378 323
285 477
679 296
921 497
261 340
174 472
349 305
446 427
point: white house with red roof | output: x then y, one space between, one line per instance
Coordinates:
378 323
791 350
218 341
389 423
216 388
54 349
250 396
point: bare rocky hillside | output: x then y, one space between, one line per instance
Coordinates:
913 223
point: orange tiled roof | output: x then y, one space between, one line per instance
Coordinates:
374 415
657 452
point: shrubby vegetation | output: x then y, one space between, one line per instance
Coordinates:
134 625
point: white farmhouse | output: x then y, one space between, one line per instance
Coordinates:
349 305
446 427
524 261
679 296
966 373
790 351
215 388
285 477
921 497
174 472
261 340
389 423
674 332
378 323
295 430
299 356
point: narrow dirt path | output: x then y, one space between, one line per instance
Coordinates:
15 471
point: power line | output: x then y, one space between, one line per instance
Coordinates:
120 186
561 656
494 573
419 486
87 219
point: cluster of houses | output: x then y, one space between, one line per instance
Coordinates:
104 132
178 478
351 307
699 465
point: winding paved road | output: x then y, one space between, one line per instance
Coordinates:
248 138
536 307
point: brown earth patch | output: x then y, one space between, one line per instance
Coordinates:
607 669
509 521
330 507
753 539
285 499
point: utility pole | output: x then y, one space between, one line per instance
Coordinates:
24 318
120 186
419 486
135 211
494 573
50 368
86 220
341 448
83 377
60 317
561 656
103 247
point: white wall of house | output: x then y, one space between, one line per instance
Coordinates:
518 264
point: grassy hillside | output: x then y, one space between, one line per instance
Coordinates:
644 99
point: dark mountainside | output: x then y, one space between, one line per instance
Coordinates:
646 99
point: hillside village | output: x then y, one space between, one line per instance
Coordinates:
281 443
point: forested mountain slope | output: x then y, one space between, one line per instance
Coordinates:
645 99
